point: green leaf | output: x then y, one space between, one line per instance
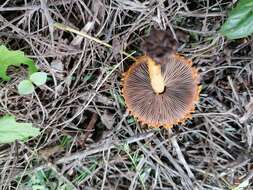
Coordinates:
10 130
38 78
25 87
15 58
240 21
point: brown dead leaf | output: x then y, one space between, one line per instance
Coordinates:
47 152
83 137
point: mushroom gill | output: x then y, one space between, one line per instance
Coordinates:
175 104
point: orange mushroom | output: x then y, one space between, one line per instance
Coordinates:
161 87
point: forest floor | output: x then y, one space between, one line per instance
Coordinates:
88 140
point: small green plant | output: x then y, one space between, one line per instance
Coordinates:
66 141
10 130
26 86
45 180
135 159
85 173
16 58
240 21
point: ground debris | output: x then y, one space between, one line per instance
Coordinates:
249 111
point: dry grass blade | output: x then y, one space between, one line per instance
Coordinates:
81 33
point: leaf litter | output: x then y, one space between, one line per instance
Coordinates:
196 155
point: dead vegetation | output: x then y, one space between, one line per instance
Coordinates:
88 141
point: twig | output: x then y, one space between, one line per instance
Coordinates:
233 88
103 147
50 21
84 34
201 15
181 157
184 177
92 95
88 129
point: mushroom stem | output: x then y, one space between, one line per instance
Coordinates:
155 74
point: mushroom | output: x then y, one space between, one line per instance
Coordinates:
161 87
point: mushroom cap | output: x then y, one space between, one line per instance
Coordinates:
159 44
171 107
